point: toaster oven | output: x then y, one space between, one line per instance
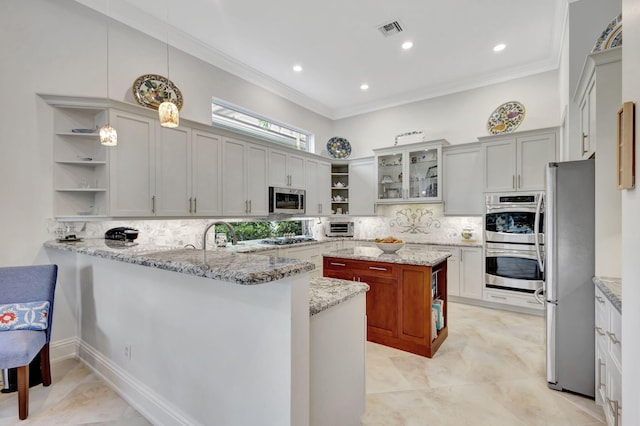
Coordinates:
338 229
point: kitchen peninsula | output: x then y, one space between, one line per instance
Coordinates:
405 287
228 341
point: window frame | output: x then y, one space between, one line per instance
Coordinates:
260 131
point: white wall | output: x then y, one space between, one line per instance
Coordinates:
630 228
458 118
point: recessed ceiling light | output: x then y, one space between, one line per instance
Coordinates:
499 47
297 68
407 45
364 86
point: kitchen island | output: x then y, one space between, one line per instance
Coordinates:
407 301
226 342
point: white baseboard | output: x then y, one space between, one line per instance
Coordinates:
152 406
63 349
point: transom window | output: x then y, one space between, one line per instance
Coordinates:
236 118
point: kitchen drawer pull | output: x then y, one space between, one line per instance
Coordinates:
498 297
599 331
376 268
612 336
599 299
337 264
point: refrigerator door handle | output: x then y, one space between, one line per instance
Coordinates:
552 377
536 227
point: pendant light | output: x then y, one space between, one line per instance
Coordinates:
168 111
108 135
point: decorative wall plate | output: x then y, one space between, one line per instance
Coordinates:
150 90
506 118
611 36
339 147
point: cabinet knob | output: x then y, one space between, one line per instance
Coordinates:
599 331
599 299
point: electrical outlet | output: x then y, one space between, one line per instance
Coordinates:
127 352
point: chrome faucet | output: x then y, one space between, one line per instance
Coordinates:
234 240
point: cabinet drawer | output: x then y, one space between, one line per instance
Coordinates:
524 300
359 267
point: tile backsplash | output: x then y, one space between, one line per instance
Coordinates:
413 223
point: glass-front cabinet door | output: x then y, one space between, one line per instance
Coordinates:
410 173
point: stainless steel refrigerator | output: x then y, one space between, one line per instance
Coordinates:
569 269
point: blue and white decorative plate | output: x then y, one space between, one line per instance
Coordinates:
611 36
339 147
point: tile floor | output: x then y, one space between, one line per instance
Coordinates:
489 371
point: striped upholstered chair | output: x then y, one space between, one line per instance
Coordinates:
26 310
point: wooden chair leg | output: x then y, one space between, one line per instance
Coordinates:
23 392
45 365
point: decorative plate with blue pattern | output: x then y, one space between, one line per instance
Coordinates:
339 147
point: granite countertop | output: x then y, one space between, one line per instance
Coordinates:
327 292
456 243
421 257
239 268
612 289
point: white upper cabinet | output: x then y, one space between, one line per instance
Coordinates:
362 186
132 165
318 187
286 170
462 169
598 95
206 174
517 162
244 169
410 173
173 171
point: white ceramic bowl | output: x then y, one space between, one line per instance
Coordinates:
390 247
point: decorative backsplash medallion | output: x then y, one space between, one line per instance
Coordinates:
414 221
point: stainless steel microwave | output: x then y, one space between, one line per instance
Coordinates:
286 200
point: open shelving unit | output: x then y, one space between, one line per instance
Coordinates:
80 162
340 187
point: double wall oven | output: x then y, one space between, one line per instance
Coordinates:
514 242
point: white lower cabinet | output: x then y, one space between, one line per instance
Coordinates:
471 272
464 270
608 368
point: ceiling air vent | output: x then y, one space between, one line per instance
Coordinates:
390 28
